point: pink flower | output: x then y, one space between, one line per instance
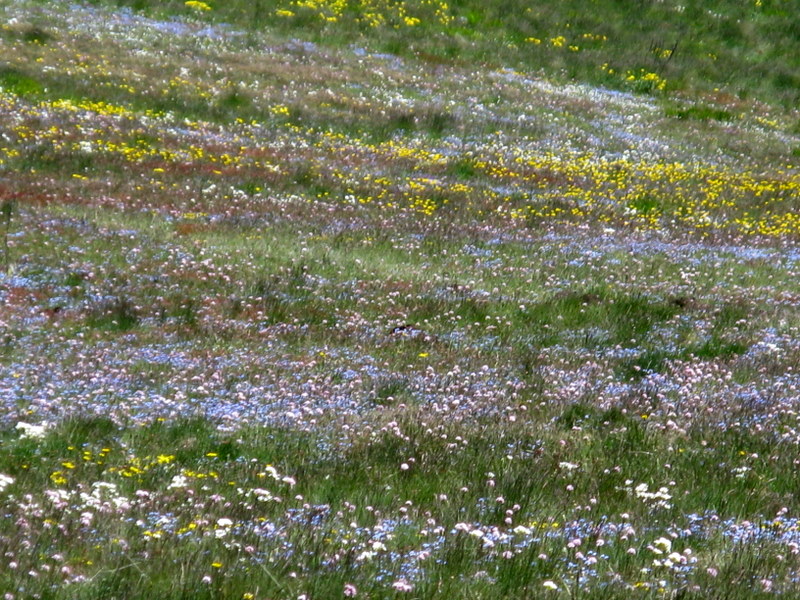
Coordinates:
401 585
350 590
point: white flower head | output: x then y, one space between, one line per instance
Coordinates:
662 545
29 430
5 481
179 481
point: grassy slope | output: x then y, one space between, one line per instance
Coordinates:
739 48
298 314
750 48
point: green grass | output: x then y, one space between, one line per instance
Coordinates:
284 317
693 46
19 83
701 113
366 472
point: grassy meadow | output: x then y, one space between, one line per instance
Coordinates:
315 299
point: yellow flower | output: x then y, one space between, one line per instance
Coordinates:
196 5
58 478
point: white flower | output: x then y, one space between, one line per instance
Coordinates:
105 485
740 472
5 481
263 495
366 555
658 498
662 546
520 530
179 481
32 431
550 585
677 558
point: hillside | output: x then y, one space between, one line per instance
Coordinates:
312 299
